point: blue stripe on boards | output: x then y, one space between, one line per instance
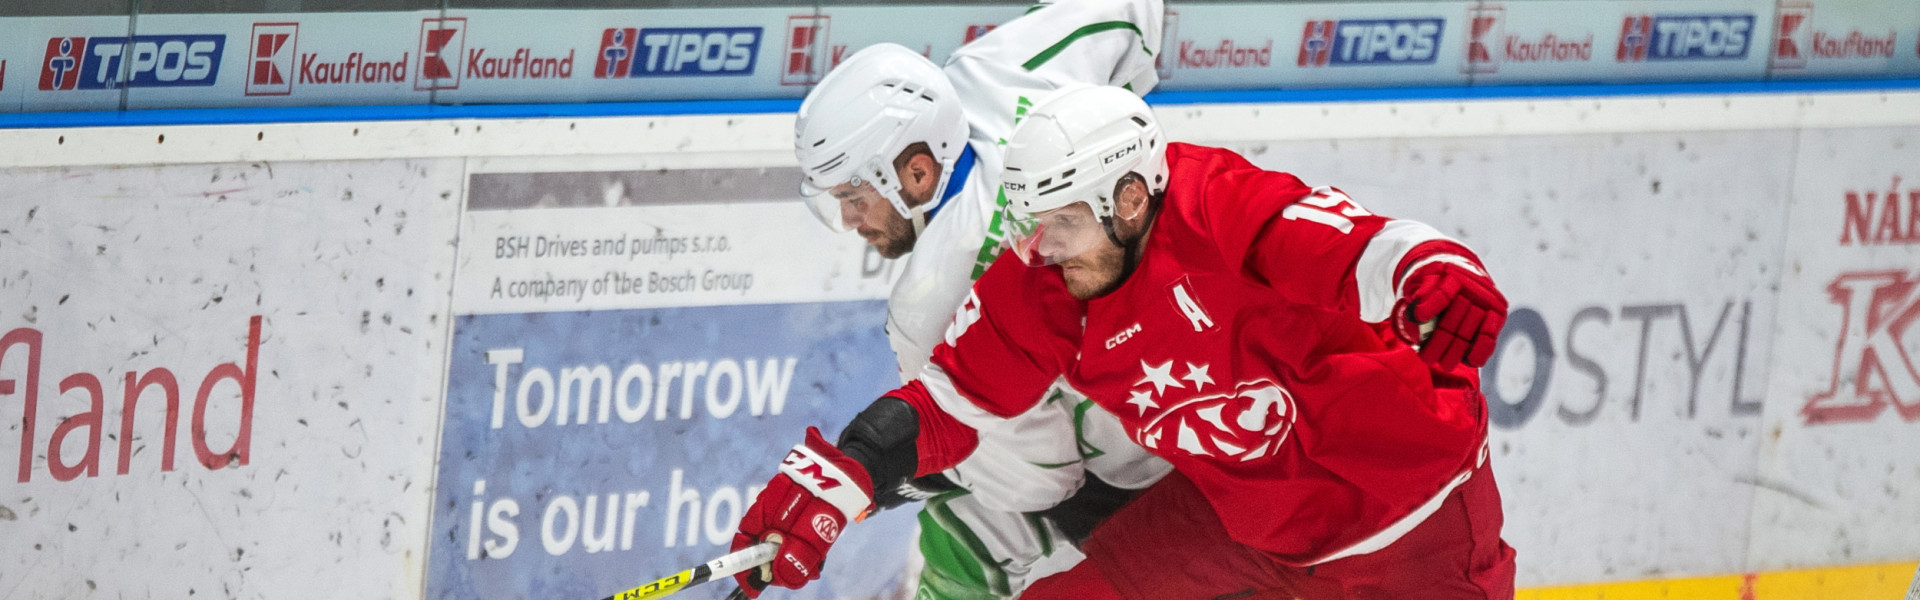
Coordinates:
410 112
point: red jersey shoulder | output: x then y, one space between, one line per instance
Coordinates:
1017 330
1224 198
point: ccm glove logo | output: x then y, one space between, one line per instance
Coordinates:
808 471
826 480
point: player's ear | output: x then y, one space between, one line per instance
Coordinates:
1130 200
919 172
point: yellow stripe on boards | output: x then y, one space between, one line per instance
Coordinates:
1888 581
1867 582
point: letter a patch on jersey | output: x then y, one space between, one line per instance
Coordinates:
1183 300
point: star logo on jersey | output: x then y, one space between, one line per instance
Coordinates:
1143 400
1198 375
1249 423
1161 377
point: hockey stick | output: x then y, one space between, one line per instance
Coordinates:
719 568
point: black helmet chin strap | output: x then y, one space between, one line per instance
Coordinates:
1133 246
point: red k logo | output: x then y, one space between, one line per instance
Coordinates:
807 40
270 70
1791 36
1483 25
440 40
1872 367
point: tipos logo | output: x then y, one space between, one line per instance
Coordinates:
1683 37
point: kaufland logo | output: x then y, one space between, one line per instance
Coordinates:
1226 54
1370 42
104 63
1485 28
276 64
441 43
808 52
1489 45
678 51
445 59
1796 40
1684 37
270 69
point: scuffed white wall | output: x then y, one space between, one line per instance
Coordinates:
345 265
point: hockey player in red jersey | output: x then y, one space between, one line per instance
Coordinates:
1306 366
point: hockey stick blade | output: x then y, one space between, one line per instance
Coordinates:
719 568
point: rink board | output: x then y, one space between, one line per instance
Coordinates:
1708 372
457 56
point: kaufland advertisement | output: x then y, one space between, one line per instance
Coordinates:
1841 38
514 55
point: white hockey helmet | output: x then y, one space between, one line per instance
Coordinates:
1074 147
862 115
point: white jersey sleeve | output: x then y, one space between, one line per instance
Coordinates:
1097 42
1110 42
1029 461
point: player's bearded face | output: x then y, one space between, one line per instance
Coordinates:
1077 241
1096 272
865 211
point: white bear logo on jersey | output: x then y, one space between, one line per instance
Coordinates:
1246 424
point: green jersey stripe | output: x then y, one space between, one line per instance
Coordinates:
1084 31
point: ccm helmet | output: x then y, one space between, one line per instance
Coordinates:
1074 147
862 115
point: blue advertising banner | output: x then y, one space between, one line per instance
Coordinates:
585 453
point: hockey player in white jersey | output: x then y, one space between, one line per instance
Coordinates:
908 155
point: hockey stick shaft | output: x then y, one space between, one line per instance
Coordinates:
719 568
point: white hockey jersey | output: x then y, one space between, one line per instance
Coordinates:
1034 461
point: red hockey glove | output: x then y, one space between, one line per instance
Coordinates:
1448 307
816 494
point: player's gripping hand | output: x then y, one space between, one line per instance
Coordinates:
817 492
1449 307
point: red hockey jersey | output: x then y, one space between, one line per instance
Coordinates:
1247 348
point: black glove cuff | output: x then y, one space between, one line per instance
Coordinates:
881 438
